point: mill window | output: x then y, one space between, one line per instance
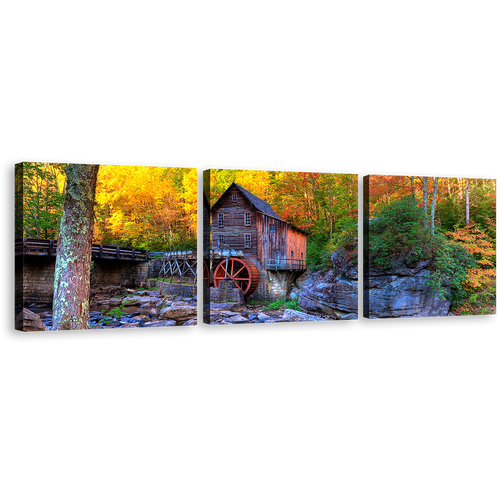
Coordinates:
292 254
248 240
221 220
247 219
221 239
272 228
301 256
234 198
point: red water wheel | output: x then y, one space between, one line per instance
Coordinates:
243 272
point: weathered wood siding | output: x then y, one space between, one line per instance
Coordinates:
296 243
271 244
234 229
265 243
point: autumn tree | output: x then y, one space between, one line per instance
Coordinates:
146 207
39 199
477 244
71 304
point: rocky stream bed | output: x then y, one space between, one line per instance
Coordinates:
117 307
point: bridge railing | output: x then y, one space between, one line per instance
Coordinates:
34 246
285 265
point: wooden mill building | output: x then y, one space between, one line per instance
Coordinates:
273 250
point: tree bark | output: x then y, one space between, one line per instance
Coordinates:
71 304
433 207
412 187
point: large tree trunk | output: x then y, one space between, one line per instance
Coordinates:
74 250
433 207
412 187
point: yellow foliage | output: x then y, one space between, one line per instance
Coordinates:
146 207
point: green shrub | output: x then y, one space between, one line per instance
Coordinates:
116 312
273 306
449 268
320 248
281 304
292 304
317 248
401 229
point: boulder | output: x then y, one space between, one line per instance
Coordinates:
115 301
292 315
130 301
28 321
234 320
178 313
263 317
228 306
138 301
191 322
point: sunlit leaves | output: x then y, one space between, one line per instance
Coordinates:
146 207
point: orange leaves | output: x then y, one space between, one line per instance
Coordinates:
477 278
475 241
477 244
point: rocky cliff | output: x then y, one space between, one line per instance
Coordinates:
401 292
332 291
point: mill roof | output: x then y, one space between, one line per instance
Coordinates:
260 205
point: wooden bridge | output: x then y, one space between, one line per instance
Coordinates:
181 264
48 248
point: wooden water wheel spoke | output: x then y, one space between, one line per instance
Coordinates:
243 272
234 275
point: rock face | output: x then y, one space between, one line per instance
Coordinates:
401 292
28 321
332 291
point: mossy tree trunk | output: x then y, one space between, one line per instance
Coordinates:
74 250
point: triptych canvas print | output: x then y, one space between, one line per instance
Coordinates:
112 247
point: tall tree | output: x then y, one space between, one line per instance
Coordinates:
412 181
71 304
433 207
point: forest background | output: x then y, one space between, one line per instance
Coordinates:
451 220
152 208
323 204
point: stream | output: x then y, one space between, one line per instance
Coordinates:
98 317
